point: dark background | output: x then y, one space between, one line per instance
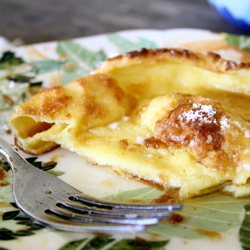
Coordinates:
46 20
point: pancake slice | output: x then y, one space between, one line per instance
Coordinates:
173 118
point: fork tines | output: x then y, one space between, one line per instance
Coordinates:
52 202
118 206
92 210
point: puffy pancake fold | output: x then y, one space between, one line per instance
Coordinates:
84 103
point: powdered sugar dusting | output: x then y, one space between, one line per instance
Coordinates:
224 123
246 166
113 125
199 113
247 133
139 139
209 139
204 114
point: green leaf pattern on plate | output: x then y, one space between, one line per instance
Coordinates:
213 213
108 243
242 42
46 66
245 229
124 45
73 245
79 60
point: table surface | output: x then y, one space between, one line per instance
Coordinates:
47 20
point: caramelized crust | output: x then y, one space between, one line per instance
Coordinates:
85 102
201 125
207 60
82 97
154 143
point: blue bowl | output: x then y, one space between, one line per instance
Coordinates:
236 12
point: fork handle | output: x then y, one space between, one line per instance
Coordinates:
10 155
22 170
6 151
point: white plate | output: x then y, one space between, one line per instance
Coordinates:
211 222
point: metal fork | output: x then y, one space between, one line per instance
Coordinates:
52 202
